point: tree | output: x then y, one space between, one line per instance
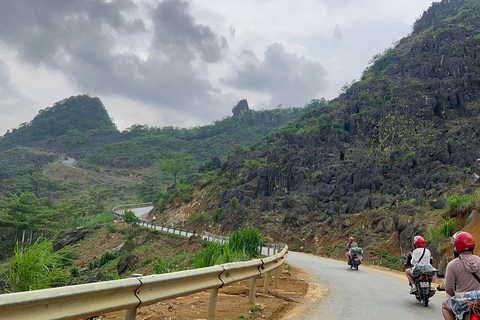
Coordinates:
175 163
130 217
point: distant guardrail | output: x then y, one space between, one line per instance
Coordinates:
88 300
265 248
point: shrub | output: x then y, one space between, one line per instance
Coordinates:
243 180
130 218
448 227
234 203
218 215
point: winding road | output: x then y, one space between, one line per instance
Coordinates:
364 294
368 293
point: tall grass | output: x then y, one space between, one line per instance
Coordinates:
36 267
163 267
242 245
246 240
209 256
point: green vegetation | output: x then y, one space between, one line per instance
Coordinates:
130 218
35 267
389 261
175 164
103 260
73 119
448 227
242 245
164 267
456 201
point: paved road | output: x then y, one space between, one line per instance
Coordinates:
140 212
363 294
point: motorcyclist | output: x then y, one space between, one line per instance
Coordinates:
421 256
350 244
463 271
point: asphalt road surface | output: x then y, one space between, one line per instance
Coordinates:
139 212
364 294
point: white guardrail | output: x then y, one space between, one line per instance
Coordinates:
88 300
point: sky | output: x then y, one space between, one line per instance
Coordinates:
187 63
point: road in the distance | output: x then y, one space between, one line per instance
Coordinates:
363 294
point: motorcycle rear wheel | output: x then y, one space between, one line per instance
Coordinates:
425 296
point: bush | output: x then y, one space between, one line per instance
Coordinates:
218 215
130 218
448 227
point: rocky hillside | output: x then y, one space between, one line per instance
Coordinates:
395 146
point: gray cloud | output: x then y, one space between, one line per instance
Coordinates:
177 35
287 78
10 99
78 38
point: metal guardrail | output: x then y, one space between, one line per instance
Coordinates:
88 300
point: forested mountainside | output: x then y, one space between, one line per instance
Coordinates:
80 127
397 143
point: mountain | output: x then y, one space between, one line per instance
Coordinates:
70 120
393 147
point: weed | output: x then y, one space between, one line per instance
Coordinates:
389 261
456 201
163 267
254 309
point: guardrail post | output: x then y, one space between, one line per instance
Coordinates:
212 305
253 289
277 275
131 314
266 283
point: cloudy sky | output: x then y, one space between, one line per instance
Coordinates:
188 62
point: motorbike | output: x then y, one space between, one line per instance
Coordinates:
466 305
423 282
468 310
356 255
472 315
